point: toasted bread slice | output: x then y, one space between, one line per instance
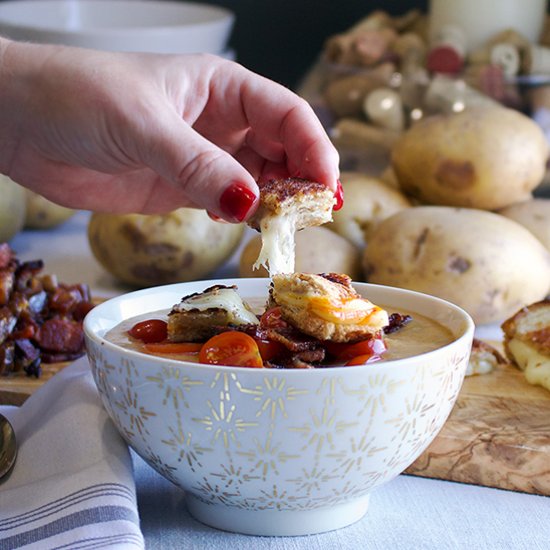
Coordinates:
198 315
286 206
326 307
484 358
527 342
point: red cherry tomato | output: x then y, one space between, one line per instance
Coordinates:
362 360
343 352
272 318
149 331
233 348
270 349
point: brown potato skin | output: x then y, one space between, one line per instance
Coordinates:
534 215
481 158
487 264
44 214
146 250
312 254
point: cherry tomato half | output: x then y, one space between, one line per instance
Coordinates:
149 331
343 352
362 360
173 347
233 348
272 318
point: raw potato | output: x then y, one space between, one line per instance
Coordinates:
318 250
480 158
534 215
44 214
12 208
367 202
487 264
157 249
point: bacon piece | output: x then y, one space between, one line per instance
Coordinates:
292 340
397 322
7 323
61 335
7 279
6 255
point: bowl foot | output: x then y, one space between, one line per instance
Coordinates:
277 522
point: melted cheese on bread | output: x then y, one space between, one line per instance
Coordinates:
286 206
326 307
225 298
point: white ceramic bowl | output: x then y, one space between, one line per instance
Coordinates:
277 452
119 25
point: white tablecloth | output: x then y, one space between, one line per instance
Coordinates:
407 513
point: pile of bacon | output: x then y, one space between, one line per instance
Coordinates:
40 319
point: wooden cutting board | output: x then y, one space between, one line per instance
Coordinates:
498 434
15 389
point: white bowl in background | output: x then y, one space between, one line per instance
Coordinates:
157 26
277 452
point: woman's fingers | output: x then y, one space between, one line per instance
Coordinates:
207 175
282 127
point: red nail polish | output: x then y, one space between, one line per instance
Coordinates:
236 201
338 196
215 218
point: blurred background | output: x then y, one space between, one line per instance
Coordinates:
281 39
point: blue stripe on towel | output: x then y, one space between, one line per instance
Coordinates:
100 514
94 491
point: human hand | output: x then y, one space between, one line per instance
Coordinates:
146 133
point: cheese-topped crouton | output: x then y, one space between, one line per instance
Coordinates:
286 206
484 358
527 342
198 315
326 306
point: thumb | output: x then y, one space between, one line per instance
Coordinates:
208 176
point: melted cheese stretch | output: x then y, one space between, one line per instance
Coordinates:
535 365
277 253
223 298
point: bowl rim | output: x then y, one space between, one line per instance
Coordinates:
224 16
467 331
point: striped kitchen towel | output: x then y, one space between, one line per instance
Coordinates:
72 485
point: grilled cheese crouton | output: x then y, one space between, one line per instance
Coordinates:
527 342
286 206
484 358
196 317
326 307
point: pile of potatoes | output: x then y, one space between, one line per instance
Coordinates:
457 218
24 209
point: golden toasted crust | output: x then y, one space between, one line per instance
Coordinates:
530 325
484 358
527 342
313 201
195 324
313 303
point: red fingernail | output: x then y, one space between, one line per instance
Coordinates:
215 218
236 201
338 196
